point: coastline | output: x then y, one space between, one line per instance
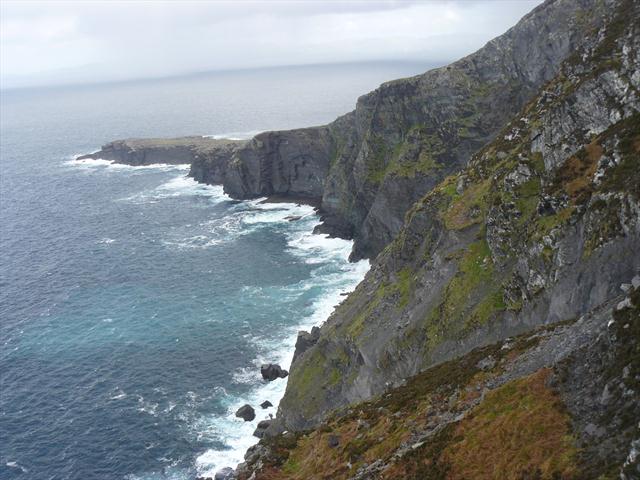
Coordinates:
303 241
300 218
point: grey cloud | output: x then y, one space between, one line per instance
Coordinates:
91 41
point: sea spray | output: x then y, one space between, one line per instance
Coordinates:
314 249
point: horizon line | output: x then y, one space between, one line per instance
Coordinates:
428 65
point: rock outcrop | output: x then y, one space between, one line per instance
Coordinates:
542 226
226 473
271 372
148 151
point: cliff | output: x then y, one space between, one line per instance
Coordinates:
492 337
368 167
542 226
499 201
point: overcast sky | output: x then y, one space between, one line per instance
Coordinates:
55 42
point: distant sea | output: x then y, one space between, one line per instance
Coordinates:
136 305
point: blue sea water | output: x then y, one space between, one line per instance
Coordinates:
137 305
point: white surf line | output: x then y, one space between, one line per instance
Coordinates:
234 432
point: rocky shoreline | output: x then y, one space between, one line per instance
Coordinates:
499 200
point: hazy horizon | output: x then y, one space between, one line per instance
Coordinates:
63 43
185 75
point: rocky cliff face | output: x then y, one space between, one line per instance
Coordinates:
542 226
368 167
409 134
498 196
293 162
560 402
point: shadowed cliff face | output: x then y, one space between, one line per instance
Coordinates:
542 226
293 162
369 166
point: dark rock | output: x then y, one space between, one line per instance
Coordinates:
333 441
266 404
261 428
305 341
226 473
293 218
246 412
334 226
272 372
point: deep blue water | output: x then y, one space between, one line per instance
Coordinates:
135 304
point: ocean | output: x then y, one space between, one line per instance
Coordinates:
136 306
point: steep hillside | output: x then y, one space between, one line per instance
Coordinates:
557 403
542 226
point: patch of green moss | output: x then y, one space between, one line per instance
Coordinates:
356 326
527 198
377 159
625 176
470 298
406 285
537 163
469 208
544 224
303 380
606 225
448 187
486 309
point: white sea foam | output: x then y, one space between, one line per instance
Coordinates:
344 276
92 163
180 186
184 185
118 395
332 274
235 135
17 466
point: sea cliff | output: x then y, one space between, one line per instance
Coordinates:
499 201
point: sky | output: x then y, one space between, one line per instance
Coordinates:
51 42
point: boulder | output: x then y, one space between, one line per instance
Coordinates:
246 412
262 428
272 371
266 404
226 473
